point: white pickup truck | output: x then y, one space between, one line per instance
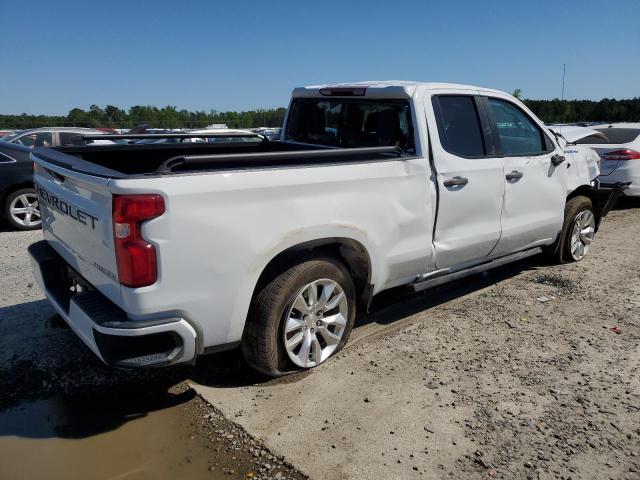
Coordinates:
158 253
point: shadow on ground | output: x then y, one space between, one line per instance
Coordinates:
627 203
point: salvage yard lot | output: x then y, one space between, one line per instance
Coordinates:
513 374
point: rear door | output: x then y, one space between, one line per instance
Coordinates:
535 189
470 179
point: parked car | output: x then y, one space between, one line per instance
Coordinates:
210 135
18 198
52 136
271 134
620 154
223 135
157 254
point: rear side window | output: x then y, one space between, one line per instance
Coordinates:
592 139
615 136
518 134
4 158
459 125
351 123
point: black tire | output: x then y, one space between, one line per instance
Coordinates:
10 218
263 339
561 251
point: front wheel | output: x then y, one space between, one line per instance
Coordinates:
300 318
577 232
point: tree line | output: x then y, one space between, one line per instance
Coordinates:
166 117
572 111
550 111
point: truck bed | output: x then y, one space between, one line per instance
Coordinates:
120 161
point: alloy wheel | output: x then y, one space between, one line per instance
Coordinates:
24 210
315 323
584 227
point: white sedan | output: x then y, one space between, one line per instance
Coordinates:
619 151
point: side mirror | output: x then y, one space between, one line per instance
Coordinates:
557 160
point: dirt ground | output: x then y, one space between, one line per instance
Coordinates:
531 371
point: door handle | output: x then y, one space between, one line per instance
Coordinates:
456 182
514 175
557 160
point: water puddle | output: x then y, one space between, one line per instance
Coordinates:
127 437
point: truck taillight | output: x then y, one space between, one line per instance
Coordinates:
625 154
136 258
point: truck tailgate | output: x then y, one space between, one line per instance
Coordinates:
76 211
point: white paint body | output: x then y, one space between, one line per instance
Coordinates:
221 229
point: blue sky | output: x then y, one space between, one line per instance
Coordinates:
244 55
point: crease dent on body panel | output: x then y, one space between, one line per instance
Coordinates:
504 196
299 237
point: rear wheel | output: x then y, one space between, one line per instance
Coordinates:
578 231
21 209
300 318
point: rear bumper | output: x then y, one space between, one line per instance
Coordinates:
624 174
102 325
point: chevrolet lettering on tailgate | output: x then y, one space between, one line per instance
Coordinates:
66 208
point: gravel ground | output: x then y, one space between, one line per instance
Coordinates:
529 372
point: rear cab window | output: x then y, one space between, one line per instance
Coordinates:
349 123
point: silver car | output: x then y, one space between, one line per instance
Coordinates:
51 136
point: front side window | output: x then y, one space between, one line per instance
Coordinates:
518 134
350 123
459 125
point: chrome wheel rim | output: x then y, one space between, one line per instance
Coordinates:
24 210
315 323
584 227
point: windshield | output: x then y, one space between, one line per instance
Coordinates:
8 138
351 123
34 139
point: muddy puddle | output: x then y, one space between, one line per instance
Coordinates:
126 437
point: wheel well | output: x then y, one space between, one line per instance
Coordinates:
351 253
597 201
585 191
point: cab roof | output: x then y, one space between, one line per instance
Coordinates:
381 89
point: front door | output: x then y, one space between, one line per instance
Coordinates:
470 180
535 188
